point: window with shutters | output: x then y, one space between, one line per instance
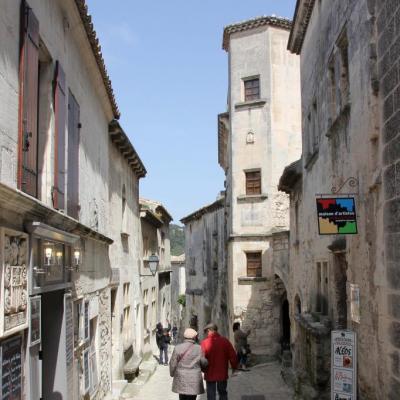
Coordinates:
73 157
254 264
251 89
253 182
28 104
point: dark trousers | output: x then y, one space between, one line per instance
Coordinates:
213 387
187 397
164 351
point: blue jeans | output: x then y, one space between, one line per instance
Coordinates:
164 350
213 387
242 357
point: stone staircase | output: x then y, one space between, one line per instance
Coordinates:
146 370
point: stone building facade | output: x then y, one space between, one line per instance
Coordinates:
206 274
257 137
349 76
178 289
156 303
60 238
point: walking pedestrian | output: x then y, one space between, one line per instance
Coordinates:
162 339
174 334
220 353
187 362
241 346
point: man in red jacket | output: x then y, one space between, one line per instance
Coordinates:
219 352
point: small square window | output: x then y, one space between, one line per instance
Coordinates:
251 89
253 182
254 264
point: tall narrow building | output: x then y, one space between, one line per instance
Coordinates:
258 136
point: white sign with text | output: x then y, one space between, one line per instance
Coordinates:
344 365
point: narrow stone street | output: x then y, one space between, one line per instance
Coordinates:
262 382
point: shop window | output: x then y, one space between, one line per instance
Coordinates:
254 264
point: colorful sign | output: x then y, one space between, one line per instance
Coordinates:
343 366
337 216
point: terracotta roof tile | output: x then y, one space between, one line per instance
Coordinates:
278 22
96 49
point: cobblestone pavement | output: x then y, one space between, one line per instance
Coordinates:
262 382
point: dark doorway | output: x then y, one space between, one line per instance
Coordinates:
285 325
53 352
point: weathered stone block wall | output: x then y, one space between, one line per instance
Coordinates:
206 279
348 146
388 31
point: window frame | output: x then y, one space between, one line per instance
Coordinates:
247 97
258 269
250 183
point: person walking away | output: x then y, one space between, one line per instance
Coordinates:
187 362
174 334
241 346
165 342
219 353
161 344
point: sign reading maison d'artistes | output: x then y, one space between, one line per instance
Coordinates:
337 215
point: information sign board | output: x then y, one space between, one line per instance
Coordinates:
343 365
11 369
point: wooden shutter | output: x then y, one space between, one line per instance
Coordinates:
254 264
253 182
73 157
59 141
28 102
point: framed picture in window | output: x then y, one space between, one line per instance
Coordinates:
35 320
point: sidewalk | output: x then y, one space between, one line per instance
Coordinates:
262 382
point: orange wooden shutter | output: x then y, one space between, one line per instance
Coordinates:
59 142
28 102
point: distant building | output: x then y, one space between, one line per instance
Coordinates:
178 288
206 275
258 135
155 289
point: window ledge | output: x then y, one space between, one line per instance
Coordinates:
334 124
248 280
250 104
311 158
251 197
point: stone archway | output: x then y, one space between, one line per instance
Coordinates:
282 304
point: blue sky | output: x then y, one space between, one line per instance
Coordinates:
169 75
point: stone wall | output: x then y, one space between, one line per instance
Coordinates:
342 140
206 289
388 32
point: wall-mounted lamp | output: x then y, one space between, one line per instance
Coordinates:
153 264
48 254
77 258
59 257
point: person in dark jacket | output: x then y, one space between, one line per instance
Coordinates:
187 362
241 346
219 353
163 340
